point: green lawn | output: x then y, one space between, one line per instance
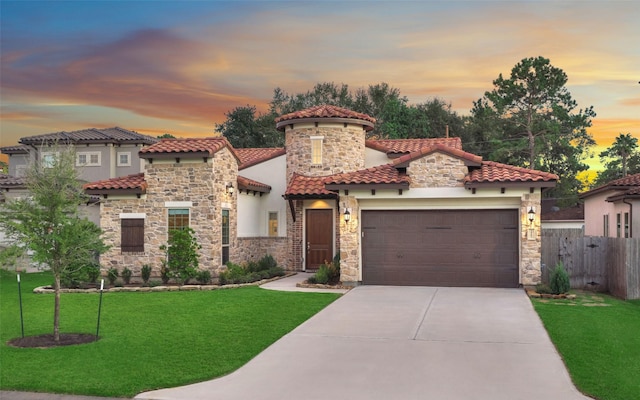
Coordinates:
598 337
148 340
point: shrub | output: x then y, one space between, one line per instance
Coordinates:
126 275
559 279
112 275
250 272
145 272
164 273
79 276
543 288
266 263
322 275
203 276
182 254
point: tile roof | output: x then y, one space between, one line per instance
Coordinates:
405 146
252 156
252 186
17 149
193 146
301 186
493 172
566 214
129 183
91 135
630 185
325 111
386 174
471 159
8 181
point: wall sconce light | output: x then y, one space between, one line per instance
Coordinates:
347 215
531 214
230 188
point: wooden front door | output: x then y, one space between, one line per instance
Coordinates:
319 238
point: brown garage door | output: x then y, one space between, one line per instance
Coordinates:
440 248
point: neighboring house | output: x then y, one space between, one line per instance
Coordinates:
401 212
100 154
613 210
554 217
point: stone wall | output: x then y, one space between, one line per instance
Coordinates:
254 248
530 242
437 170
295 238
343 149
349 243
203 184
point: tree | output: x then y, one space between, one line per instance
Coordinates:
243 128
535 124
166 136
49 224
181 254
621 159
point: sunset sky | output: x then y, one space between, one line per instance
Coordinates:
177 66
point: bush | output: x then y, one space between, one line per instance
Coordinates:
182 254
145 272
112 275
543 288
266 263
126 275
251 272
559 279
322 275
203 276
328 273
80 276
164 273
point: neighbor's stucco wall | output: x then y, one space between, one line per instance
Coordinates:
595 208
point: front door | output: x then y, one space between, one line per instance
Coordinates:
319 237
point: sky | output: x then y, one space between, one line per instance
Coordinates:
177 67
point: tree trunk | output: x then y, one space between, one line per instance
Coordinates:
532 149
56 308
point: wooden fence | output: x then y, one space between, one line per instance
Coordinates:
596 263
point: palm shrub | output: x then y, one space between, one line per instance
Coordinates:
559 279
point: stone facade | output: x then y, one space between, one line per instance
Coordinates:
349 243
254 248
201 186
437 170
530 241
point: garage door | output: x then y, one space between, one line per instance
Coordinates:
440 248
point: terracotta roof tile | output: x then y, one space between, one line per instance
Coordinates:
382 174
8 181
252 156
302 186
197 146
325 111
91 135
252 186
405 146
135 182
629 182
491 171
17 149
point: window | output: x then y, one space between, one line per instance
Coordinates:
316 150
132 235
225 237
124 159
88 159
618 225
48 159
626 224
273 223
178 218
605 227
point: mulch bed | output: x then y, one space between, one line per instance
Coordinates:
46 341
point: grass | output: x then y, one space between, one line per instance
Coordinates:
148 340
598 337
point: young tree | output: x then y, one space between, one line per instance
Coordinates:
48 222
535 122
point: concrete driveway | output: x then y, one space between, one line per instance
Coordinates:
379 342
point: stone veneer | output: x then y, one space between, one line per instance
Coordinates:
350 243
254 248
437 170
530 242
201 183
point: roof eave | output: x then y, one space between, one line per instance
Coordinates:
102 192
528 184
170 155
368 125
368 186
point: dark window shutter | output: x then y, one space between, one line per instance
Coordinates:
132 235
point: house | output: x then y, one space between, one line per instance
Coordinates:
554 217
100 154
399 212
613 210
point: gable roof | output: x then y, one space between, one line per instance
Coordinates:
405 146
468 158
252 156
187 147
325 113
385 176
628 186
91 135
491 172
